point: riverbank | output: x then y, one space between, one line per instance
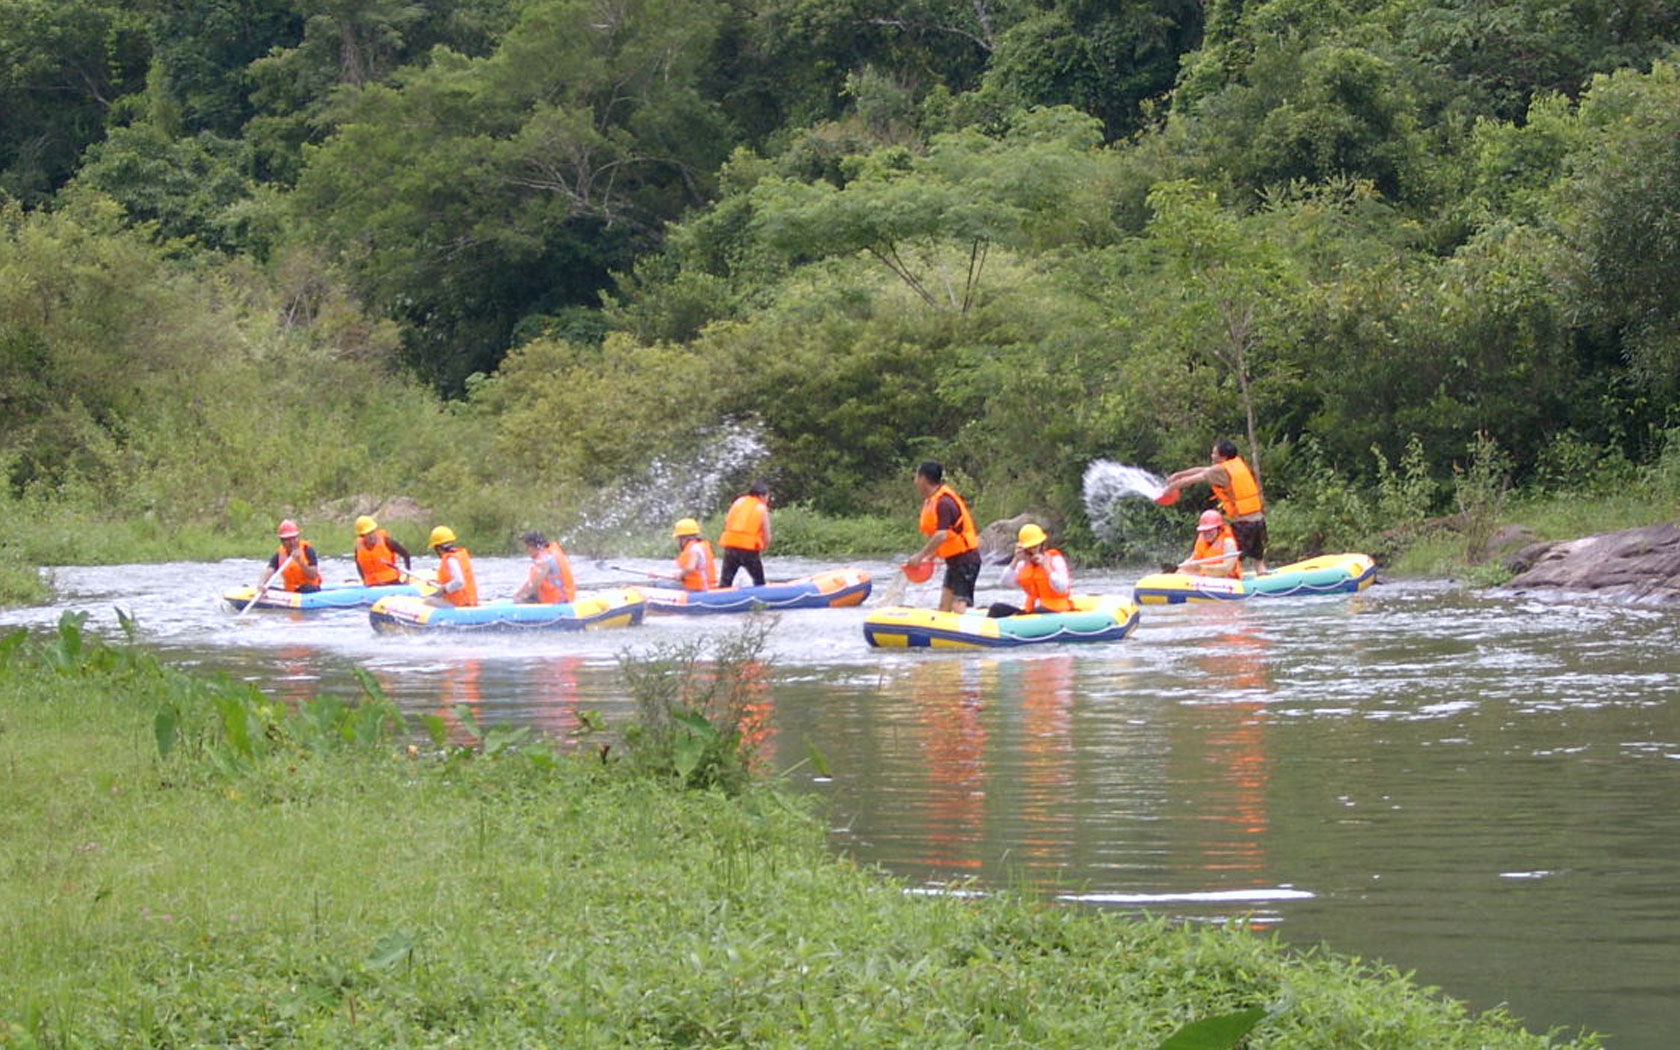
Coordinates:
190 863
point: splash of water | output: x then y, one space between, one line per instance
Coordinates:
1106 483
689 482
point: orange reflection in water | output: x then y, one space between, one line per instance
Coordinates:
951 738
1224 733
1046 686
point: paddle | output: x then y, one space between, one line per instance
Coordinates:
1166 567
667 577
268 581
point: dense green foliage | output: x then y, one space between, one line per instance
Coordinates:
191 863
516 259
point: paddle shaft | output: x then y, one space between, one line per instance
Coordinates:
268 581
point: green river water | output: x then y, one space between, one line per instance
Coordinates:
1483 790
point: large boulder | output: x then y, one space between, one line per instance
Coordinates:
1636 565
997 540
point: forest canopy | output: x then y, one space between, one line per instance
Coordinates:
536 246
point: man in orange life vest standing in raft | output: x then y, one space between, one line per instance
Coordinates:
696 564
1216 552
295 561
1239 496
951 535
457 585
746 535
377 554
1042 573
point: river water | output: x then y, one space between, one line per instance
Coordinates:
1482 790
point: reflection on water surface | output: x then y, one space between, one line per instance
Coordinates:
1484 791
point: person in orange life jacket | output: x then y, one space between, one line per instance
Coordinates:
456 583
951 534
377 554
696 564
295 561
1216 552
550 581
1041 572
1238 492
746 535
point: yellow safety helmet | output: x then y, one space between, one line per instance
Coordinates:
685 527
441 535
1030 535
365 525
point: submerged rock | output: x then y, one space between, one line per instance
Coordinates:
1637 565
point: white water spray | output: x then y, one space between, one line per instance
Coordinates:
1106 483
686 483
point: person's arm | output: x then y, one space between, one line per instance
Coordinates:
767 526
1061 578
274 564
311 566
456 580
1213 475
400 551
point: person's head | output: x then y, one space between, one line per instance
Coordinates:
761 490
685 531
442 538
929 476
1031 538
534 542
288 533
1212 521
365 529
1224 449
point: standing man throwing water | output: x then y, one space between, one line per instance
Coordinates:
951 535
1239 496
746 535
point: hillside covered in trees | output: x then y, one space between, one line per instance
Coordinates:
507 256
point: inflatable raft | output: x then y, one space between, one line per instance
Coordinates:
347 596
1094 618
601 609
1327 574
834 589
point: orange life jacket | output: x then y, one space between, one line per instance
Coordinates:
1037 581
964 537
556 584
457 564
743 526
1243 497
295 573
1214 549
698 565
378 563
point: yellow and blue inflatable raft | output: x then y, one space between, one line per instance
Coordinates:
1094 618
349 596
833 589
1327 574
602 609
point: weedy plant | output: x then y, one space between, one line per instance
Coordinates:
699 703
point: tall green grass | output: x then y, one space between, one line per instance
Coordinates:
321 878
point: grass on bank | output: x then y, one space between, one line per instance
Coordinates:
187 862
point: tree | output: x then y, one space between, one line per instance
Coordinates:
1233 286
1622 215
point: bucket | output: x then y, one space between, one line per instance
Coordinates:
918 573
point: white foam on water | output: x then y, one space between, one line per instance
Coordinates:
1106 483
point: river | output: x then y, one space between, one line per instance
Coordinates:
1484 791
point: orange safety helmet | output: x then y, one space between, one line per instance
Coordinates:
1211 519
288 529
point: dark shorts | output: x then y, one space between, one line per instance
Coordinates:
961 574
736 559
1251 538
